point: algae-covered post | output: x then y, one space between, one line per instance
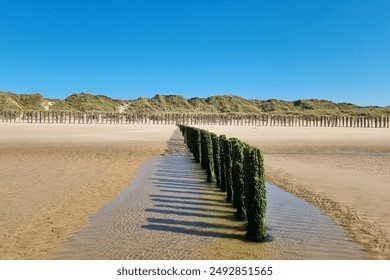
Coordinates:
228 169
238 169
197 145
255 195
222 139
217 160
203 151
210 158
239 179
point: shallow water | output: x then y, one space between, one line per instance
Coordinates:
169 212
305 228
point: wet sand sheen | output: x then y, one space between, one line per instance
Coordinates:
169 212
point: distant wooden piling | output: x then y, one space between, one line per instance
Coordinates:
227 119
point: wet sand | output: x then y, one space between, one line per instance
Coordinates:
345 171
170 212
53 177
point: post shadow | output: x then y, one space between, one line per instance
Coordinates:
183 203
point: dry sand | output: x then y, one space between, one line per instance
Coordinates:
54 176
345 171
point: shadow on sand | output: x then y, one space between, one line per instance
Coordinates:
186 204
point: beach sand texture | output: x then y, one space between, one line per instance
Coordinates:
344 171
53 177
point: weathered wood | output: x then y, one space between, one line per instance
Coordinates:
232 119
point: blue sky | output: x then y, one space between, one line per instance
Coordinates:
336 50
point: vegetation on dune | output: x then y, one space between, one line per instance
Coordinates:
226 104
19 102
85 102
7 102
140 105
160 103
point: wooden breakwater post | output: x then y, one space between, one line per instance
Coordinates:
232 119
247 180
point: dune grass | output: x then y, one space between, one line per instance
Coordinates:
227 104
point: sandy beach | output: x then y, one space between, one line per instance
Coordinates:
344 171
53 177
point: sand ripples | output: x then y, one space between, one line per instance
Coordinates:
164 215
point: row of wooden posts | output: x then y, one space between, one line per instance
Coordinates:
237 169
192 119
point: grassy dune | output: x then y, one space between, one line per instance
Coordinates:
85 102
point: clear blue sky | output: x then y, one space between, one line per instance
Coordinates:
337 50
